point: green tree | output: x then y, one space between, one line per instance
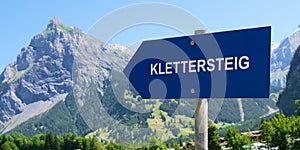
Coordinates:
68 141
176 146
96 144
57 143
86 143
297 102
49 141
297 127
213 137
37 143
78 142
282 130
21 141
235 140
112 146
8 145
5 138
162 146
267 132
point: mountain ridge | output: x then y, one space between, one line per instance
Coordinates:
291 93
44 68
281 57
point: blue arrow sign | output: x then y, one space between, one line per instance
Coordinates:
231 64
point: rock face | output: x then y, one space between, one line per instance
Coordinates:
281 56
44 69
292 92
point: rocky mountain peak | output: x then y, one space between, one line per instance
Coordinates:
44 68
53 23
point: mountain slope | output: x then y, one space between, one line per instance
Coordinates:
62 118
281 56
43 72
291 93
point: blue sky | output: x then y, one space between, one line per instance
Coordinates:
21 20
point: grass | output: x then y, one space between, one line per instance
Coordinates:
163 127
185 132
48 31
19 74
66 28
221 125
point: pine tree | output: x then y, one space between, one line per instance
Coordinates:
49 141
213 137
